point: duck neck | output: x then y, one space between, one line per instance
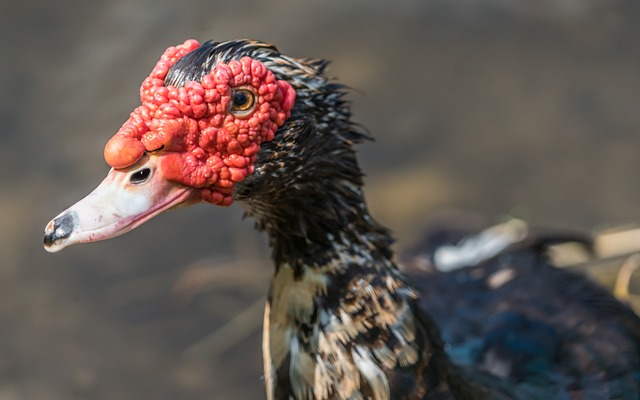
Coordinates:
341 321
320 236
306 193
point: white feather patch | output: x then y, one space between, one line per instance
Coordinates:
269 373
474 249
301 372
371 372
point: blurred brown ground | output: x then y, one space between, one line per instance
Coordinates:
527 108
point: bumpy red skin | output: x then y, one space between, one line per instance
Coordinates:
203 144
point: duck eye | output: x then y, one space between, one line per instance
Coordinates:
242 102
141 176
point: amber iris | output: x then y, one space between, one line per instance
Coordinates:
242 101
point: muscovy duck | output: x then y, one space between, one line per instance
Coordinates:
239 121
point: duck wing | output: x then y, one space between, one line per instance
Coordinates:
541 330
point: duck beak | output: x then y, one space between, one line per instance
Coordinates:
124 200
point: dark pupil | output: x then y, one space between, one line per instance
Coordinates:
240 98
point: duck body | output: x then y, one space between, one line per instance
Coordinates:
342 319
547 332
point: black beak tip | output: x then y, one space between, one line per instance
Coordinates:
48 238
59 228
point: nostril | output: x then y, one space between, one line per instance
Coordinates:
59 228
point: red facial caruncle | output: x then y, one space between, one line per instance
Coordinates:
206 133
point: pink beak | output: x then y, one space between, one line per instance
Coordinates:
124 200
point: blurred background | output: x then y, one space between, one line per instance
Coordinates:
523 108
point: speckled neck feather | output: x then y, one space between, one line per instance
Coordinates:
341 321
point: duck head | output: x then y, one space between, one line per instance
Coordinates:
204 113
